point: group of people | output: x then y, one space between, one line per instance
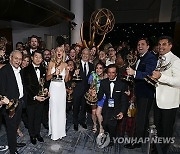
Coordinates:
101 73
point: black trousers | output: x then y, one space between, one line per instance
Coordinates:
109 122
34 112
164 120
45 113
79 109
12 125
142 117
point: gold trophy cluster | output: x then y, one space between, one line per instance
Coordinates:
11 106
91 95
69 89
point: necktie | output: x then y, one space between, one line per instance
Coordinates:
85 71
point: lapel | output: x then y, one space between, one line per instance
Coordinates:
12 77
33 73
108 87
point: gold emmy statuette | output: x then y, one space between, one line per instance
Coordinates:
42 92
11 106
76 77
101 22
57 78
160 67
131 58
69 89
91 95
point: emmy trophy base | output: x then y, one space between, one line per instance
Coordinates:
151 81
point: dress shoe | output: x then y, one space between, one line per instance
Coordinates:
40 139
3 147
19 145
84 125
132 145
16 152
111 143
33 140
46 127
76 127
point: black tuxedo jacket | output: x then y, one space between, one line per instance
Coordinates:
146 66
120 98
83 86
31 82
8 83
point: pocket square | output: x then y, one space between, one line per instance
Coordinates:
118 91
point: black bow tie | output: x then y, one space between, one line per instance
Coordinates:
37 68
112 81
140 57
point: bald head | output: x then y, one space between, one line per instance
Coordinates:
16 58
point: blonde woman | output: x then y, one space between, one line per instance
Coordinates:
57 90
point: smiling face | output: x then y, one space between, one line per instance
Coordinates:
164 46
47 55
25 62
16 59
142 47
85 55
102 55
37 58
93 51
112 73
99 69
34 43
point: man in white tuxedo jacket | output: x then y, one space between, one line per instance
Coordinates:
167 91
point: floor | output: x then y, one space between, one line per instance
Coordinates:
81 142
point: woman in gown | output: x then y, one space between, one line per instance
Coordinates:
57 90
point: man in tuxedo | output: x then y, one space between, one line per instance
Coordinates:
144 91
32 76
79 103
11 85
167 91
47 57
116 102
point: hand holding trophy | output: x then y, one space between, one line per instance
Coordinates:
131 58
43 92
91 95
69 90
56 76
160 68
76 76
10 105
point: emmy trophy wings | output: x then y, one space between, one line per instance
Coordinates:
101 22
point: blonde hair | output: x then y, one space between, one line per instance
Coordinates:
54 58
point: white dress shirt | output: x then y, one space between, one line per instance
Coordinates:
19 80
37 71
112 86
87 66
